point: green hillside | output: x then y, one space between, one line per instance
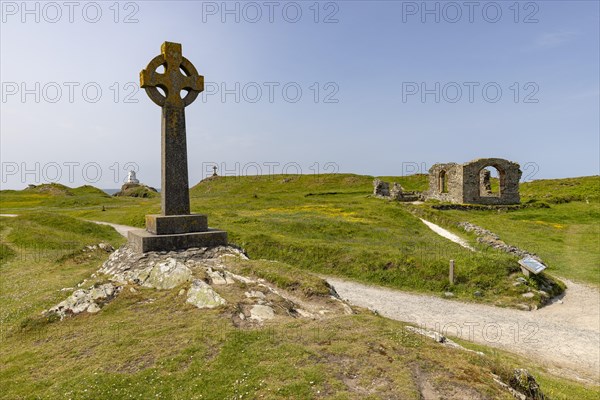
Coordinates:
586 189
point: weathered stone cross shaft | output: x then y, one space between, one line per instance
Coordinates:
179 75
175 228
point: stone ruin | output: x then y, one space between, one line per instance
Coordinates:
382 190
470 183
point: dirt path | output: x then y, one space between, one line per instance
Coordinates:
564 337
121 229
447 234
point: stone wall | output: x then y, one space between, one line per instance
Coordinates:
445 183
469 183
381 188
509 175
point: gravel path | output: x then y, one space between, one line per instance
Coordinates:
447 234
564 336
121 229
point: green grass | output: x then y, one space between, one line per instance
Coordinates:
329 224
164 348
567 238
562 190
566 235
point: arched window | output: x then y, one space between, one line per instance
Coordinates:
443 182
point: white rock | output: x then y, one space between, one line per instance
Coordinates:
93 308
106 247
261 313
217 278
304 313
168 274
255 294
528 295
347 309
239 278
202 295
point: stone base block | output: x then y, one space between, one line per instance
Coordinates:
143 241
173 224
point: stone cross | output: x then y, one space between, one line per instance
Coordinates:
179 75
175 228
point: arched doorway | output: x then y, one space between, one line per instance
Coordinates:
491 182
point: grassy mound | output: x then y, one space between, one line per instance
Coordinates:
135 190
52 195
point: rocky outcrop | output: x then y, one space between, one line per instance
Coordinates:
201 274
90 300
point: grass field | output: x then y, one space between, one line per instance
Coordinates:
150 344
329 224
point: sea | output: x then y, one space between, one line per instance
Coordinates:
113 191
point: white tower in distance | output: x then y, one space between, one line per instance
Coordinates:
131 178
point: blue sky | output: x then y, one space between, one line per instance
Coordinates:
379 80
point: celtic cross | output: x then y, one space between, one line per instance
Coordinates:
179 75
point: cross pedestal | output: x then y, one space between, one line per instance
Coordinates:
175 228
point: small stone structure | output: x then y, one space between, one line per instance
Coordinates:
382 190
470 183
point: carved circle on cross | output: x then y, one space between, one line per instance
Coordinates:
180 74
